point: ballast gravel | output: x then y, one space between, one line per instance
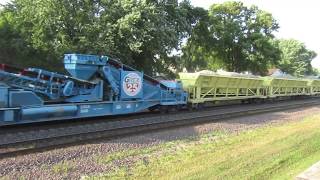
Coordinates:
81 160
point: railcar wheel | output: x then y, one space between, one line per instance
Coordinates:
246 101
190 107
179 107
172 109
200 106
196 107
260 101
153 109
163 109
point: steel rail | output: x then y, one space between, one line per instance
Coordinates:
12 144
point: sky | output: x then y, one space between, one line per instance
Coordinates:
298 19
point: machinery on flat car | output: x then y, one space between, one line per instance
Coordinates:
98 86
101 86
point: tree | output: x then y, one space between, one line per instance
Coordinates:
142 33
197 52
295 57
14 49
238 36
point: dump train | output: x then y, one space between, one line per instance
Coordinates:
101 86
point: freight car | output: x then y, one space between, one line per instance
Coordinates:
101 86
98 86
206 86
314 86
278 87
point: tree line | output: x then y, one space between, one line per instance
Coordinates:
156 36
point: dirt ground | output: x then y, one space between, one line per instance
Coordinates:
55 164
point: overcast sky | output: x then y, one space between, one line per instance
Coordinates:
298 19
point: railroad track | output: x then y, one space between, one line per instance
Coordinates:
17 143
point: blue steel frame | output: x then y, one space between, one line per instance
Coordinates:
99 93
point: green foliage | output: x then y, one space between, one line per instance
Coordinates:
197 52
238 37
147 34
280 151
14 49
140 33
62 168
295 57
316 71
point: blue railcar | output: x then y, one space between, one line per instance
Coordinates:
97 86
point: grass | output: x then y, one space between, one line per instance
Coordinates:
8 178
126 154
273 152
62 168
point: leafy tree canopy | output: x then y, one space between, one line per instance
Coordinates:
142 33
14 49
237 36
147 34
295 57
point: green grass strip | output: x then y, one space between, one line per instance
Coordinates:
273 152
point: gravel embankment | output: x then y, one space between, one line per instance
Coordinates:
82 159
